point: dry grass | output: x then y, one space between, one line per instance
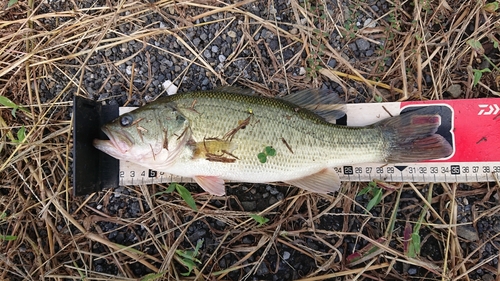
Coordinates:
45 233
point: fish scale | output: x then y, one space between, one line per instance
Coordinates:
313 143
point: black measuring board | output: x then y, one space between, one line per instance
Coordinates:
93 170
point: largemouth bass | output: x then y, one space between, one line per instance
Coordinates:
212 136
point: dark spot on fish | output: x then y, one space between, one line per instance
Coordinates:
126 120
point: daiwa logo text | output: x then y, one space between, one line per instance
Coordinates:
488 109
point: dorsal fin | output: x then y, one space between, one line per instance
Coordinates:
324 103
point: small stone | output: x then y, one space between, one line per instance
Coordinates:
332 63
369 23
412 271
455 90
467 232
272 200
170 87
207 54
231 34
302 71
222 58
196 42
128 70
362 44
286 255
488 277
262 270
249 205
353 47
294 31
215 49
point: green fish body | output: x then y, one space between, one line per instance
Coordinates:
214 136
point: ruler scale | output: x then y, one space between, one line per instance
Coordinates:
471 126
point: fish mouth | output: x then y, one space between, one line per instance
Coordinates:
118 141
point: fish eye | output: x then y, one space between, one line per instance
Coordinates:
126 120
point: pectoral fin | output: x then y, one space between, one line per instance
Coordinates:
212 185
324 181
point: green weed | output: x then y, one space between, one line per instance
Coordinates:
188 257
376 193
183 192
8 103
259 219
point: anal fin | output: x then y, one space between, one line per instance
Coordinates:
211 184
324 181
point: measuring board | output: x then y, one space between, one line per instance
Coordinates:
471 126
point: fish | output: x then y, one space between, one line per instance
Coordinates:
228 134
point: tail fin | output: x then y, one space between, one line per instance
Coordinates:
412 137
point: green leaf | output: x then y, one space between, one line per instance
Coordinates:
378 98
414 247
188 258
7 102
3 215
270 151
11 2
478 74
377 197
186 195
259 219
8 237
364 191
491 7
153 276
21 134
476 45
186 254
171 187
262 157
495 43
189 264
